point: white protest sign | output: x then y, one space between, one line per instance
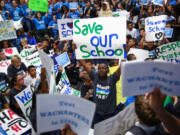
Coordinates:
155 27
4 65
140 54
70 91
24 99
169 52
118 124
158 2
168 32
63 59
48 63
11 51
7 30
121 13
149 75
12 124
17 24
54 111
98 38
73 5
31 57
65 27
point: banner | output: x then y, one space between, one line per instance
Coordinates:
169 52
100 37
155 27
158 2
65 27
12 124
11 51
73 5
121 13
54 111
118 124
7 30
63 59
140 54
38 5
31 57
149 75
4 65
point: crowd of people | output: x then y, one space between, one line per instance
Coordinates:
157 113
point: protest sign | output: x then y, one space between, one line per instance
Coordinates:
70 91
12 124
98 38
48 63
7 30
54 111
73 5
17 24
65 27
168 32
31 57
169 52
63 59
118 124
140 54
143 2
38 5
121 13
4 65
11 51
155 27
24 99
149 75
158 2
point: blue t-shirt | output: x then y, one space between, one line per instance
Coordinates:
8 5
40 24
75 15
16 13
55 30
4 14
56 7
31 40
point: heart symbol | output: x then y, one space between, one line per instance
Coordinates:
158 35
70 25
9 51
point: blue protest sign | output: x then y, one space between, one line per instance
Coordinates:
73 5
63 59
158 2
168 32
143 2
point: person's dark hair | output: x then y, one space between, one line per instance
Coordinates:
144 112
123 4
29 67
89 61
111 62
129 56
135 11
128 36
62 9
14 79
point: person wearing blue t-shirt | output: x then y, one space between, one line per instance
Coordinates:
74 14
7 4
15 11
31 39
3 11
40 24
57 10
54 26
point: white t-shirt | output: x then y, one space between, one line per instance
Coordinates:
133 33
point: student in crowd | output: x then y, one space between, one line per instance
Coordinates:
3 102
17 84
32 75
16 67
3 57
104 92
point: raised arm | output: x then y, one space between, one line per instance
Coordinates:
86 66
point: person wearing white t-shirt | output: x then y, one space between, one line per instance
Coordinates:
131 31
32 75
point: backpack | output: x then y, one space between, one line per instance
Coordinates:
139 131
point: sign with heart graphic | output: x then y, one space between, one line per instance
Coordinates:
155 27
11 51
65 27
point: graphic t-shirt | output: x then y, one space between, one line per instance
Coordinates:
4 81
104 93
